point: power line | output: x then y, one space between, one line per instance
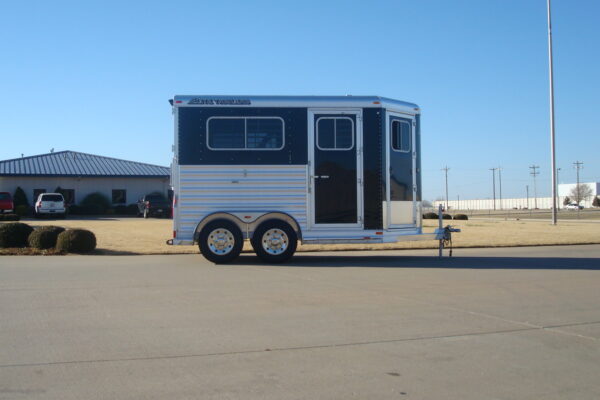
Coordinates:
534 173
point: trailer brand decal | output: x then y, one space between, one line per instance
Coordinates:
227 102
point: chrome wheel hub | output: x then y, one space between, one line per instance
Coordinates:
275 241
221 241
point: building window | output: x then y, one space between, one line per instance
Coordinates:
335 133
245 133
401 134
119 196
36 193
69 195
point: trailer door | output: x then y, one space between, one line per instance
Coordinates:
401 159
335 168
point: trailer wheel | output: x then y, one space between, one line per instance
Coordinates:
274 241
220 241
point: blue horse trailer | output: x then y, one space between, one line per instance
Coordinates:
276 170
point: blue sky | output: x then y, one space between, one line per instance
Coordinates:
96 76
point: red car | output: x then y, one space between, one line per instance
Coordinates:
6 203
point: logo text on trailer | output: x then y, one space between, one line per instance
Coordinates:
217 102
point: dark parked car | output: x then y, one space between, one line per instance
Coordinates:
154 205
6 203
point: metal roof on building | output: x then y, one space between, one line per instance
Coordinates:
72 163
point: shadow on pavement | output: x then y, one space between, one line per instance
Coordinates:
548 263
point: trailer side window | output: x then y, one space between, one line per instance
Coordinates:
401 135
245 133
335 133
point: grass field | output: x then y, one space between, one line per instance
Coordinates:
148 236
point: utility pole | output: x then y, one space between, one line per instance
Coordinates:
494 185
500 184
446 171
527 188
552 132
557 192
534 173
578 165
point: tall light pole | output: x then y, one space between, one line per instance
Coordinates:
557 192
500 184
578 165
446 170
552 134
527 188
494 185
534 173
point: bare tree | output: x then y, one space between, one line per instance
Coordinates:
580 192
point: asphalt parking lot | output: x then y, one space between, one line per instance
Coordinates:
511 323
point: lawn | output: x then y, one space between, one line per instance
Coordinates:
148 236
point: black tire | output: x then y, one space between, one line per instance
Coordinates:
233 251
273 257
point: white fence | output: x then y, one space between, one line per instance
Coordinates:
506 204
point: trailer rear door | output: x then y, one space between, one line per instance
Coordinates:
401 154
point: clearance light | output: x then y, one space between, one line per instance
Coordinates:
379 233
178 101
376 102
174 234
247 216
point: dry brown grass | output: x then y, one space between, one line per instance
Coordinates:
148 236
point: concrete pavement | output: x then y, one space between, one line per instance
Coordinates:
520 323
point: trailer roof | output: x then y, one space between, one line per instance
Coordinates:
293 101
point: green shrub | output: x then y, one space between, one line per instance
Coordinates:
74 209
20 198
596 202
9 217
76 241
461 216
446 216
14 234
95 203
45 237
430 215
22 210
93 209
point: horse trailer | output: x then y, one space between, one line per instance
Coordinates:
276 170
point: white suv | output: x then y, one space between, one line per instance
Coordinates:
573 206
49 204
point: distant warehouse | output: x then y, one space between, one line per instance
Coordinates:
79 174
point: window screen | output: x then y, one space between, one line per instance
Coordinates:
119 196
37 192
401 136
245 133
335 133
